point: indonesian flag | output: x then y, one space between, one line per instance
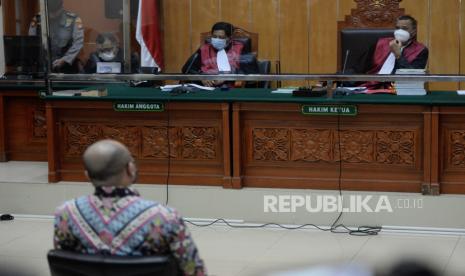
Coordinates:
148 34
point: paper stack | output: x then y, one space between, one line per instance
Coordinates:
410 88
285 90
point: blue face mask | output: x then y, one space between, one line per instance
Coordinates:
218 43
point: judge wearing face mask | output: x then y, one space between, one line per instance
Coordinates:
220 54
402 52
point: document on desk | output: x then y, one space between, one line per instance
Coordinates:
357 89
168 88
285 90
81 92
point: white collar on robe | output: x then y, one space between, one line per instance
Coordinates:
222 61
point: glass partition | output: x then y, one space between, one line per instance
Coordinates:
84 33
274 36
21 52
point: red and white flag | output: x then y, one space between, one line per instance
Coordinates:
148 34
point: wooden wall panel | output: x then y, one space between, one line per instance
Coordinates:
265 22
344 8
204 14
323 26
177 30
25 128
9 24
30 9
420 10
444 48
237 12
294 38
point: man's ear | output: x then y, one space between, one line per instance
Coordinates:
131 169
87 174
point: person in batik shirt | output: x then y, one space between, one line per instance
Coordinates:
115 220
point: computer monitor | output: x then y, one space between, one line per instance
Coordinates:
23 54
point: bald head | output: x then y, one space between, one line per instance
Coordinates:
106 163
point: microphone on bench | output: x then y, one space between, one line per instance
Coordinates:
341 91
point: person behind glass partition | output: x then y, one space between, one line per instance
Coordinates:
221 54
66 37
109 57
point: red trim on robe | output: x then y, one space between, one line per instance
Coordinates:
208 57
383 50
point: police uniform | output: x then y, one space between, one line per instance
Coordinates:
66 36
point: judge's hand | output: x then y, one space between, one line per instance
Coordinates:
208 83
395 46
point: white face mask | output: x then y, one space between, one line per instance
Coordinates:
402 35
107 56
218 43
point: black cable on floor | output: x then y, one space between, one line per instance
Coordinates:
334 228
341 228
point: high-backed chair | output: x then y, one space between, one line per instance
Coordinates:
358 47
359 32
264 68
65 263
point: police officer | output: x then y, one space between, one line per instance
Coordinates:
66 37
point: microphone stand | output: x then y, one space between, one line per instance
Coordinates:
183 88
341 91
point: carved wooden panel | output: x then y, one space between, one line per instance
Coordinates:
271 144
78 136
155 142
456 145
199 143
128 135
374 13
356 146
148 142
390 147
395 147
311 145
39 122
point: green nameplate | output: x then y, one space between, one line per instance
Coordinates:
138 107
330 110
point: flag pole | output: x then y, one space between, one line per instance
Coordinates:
127 36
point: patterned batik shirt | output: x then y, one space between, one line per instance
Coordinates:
119 222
